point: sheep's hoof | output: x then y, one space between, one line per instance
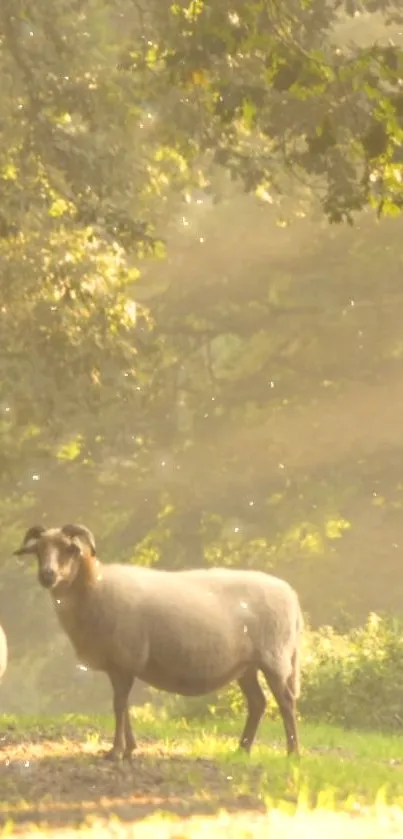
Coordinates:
113 755
243 748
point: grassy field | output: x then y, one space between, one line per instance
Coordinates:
186 780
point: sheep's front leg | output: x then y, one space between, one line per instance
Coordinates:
130 738
123 740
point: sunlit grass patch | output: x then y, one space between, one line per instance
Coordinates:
342 767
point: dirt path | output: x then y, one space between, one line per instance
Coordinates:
64 782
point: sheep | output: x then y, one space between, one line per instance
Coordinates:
187 632
3 652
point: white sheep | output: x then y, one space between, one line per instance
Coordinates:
185 632
3 652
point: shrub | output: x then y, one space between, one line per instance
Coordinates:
355 680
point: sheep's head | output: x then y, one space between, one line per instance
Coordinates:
60 552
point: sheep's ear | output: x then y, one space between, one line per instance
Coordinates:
78 532
30 540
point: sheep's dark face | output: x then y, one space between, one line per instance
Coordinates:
58 560
58 556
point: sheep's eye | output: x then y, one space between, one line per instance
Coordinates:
75 550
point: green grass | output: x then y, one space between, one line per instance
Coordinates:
186 775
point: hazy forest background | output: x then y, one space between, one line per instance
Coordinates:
201 301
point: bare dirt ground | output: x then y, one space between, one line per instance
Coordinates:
64 782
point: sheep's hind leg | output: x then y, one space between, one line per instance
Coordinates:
121 684
256 702
286 702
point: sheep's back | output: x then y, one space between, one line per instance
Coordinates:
198 619
219 596
174 615
271 602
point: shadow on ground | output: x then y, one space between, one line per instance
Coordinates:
63 782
